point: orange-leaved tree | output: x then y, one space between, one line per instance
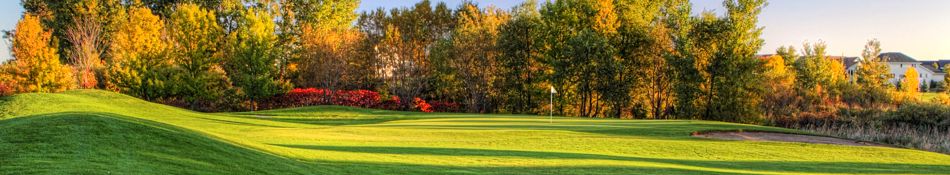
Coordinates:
36 66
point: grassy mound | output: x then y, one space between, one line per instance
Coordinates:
100 132
90 143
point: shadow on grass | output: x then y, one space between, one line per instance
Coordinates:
667 129
105 143
340 116
754 166
324 120
241 123
401 168
343 115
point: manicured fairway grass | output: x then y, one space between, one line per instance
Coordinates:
98 132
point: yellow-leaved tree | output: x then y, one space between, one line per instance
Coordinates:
36 66
137 53
473 57
910 85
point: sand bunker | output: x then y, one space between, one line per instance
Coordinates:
782 137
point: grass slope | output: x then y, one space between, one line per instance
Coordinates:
101 132
91 143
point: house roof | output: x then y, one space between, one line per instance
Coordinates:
940 63
847 61
764 56
896 57
931 68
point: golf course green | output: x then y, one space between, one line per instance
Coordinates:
101 132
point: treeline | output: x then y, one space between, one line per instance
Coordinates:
606 58
626 59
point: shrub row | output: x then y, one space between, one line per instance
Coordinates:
920 114
300 97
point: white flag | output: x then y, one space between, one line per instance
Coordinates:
552 90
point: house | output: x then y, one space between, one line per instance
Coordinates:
928 73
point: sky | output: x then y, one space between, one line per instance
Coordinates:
918 28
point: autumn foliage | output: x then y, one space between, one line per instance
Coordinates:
137 51
36 67
300 97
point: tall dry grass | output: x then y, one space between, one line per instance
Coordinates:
930 138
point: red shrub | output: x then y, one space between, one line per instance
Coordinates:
357 98
311 96
5 89
443 106
422 105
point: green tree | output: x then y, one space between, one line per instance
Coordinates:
36 66
872 72
733 72
719 72
519 61
336 14
138 65
166 8
946 83
195 36
643 75
817 73
576 39
252 64
697 48
789 54
872 75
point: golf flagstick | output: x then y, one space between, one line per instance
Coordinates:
551 114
